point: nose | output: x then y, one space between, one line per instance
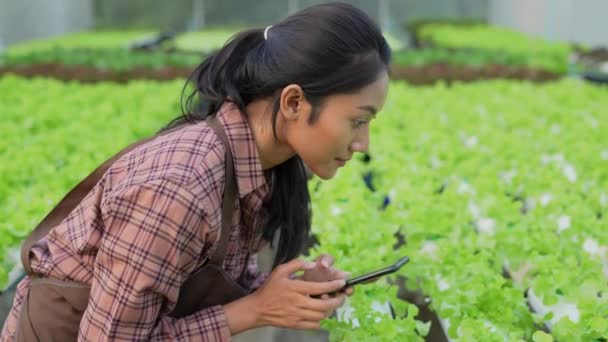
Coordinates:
361 142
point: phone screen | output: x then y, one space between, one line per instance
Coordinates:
378 273
372 275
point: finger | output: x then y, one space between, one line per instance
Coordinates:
338 274
312 288
294 266
337 302
349 291
312 315
341 299
325 260
308 325
323 305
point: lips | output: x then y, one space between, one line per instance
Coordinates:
341 161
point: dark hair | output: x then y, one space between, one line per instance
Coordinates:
327 49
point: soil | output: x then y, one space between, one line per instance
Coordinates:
417 75
425 313
88 74
431 73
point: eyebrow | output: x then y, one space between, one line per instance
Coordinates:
370 109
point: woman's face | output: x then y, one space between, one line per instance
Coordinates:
341 128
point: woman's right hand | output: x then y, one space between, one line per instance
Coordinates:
287 303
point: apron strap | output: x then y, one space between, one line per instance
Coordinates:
229 199
75 196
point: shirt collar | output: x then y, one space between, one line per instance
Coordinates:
247 164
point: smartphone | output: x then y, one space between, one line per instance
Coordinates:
378 273
372 275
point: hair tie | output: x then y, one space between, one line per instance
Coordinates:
266 32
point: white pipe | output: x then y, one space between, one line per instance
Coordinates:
293 6
383 14
198 9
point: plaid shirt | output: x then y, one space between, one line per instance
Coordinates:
147 224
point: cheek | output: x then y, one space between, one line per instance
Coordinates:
319 145
331 137
321 142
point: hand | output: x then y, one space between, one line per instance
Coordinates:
287 303
323 271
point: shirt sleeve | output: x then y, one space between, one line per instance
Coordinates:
12 320
153 236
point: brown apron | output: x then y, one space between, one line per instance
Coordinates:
52 309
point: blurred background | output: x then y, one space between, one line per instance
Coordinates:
536 40
580 21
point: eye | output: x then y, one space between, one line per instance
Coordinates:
359 123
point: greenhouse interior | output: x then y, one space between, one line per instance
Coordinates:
486 165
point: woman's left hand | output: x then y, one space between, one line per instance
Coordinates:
323 271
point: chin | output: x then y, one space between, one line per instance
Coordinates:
324 173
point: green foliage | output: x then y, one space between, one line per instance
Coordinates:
106 39
204 41
460 164
541 336
110 50
537 52
468 57
454 162
54 134
106 59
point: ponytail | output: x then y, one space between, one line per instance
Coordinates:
327 49
216 80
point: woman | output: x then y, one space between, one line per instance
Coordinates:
160 242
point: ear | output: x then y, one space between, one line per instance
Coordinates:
292 102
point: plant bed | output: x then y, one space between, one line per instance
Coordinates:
106 59
437 331
115 56
458 56
592 65
537 52
414 27
417 75
432 73
54 139
428 322
88 74
99 40
558 316
177 58
476 174
592 56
